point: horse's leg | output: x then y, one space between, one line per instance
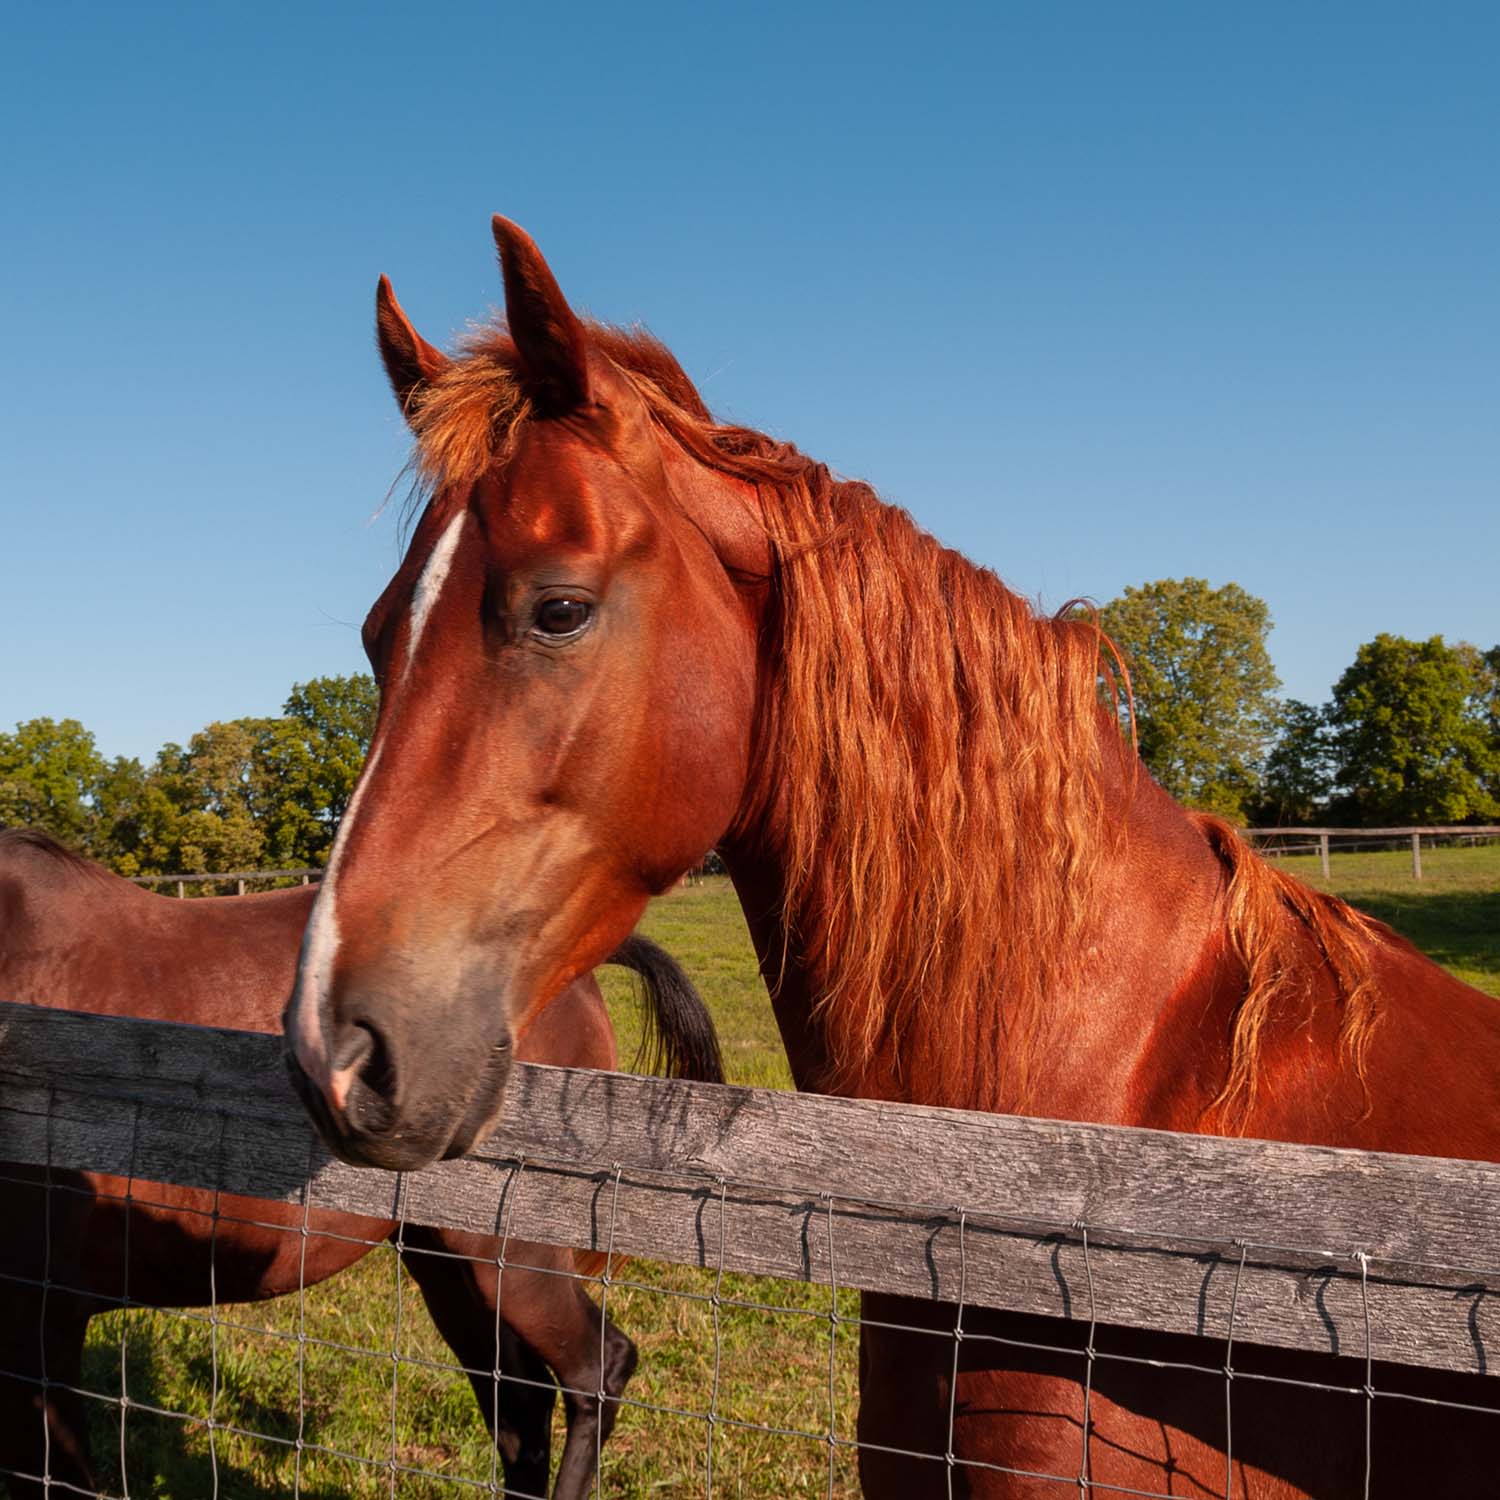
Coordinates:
460 1295
522 1421
42 1433
911 1419
902 1406
549 1312
588 1351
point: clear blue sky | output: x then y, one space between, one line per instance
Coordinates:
1102 293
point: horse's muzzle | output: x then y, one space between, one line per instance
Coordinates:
397 1106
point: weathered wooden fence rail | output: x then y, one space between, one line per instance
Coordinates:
1310 1246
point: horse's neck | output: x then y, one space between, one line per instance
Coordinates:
1142 1036
756 869
1158 979
1156 935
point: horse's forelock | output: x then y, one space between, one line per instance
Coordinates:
470 417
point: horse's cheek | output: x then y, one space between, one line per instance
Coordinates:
688 783
718 690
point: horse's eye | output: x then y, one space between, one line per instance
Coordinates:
560 618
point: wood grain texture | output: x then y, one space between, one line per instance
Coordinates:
917 1201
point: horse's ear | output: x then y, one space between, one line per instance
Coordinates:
551 342
410 361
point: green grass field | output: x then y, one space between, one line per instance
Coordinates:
773 1367
1452 913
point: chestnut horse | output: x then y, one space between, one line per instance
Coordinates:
623 633
74 936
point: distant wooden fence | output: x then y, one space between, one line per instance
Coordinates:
1317 839
1308 841
1390 1257
711 864
238 878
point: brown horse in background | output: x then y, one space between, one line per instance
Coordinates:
73 936
623 633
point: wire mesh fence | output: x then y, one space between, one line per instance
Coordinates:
1245 1285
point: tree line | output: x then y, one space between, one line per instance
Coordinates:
1411 734
246 794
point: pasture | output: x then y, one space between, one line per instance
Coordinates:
783 1361
1452 914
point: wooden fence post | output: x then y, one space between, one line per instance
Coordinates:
1323 853
1416 856
181 890
241 890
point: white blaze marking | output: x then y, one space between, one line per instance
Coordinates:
430 585
320 943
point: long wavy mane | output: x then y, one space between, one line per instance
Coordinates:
1269 919
943 806
936 753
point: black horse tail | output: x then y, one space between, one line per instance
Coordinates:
678 1036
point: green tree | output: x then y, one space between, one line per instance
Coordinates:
204 818
1204 686
1411 742
1484 675
308 763
1487 707
1298 776
254 793
49 772
243 794
122 816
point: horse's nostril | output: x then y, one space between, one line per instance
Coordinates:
364 1065
352 1046
377 1072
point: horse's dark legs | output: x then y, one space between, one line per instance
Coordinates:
522 1425
460 1296
591 1421
40 1436
43 1240
556 1323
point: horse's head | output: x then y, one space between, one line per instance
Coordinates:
567 672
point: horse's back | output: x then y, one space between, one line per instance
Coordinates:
73 936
